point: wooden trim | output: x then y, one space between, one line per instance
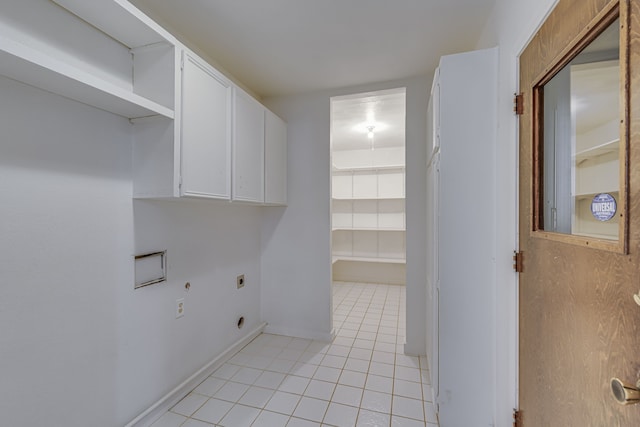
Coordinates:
598 24
537 149
611 12
574 239
625 135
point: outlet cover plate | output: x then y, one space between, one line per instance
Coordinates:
179 308
240 281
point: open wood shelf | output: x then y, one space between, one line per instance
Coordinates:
368 198
120 20
598 150
368 229
368 168
35 68
337 258
115 43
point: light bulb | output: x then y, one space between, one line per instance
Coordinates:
370 131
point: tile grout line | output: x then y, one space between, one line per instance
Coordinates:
354 304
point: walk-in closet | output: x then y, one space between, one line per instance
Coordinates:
368 187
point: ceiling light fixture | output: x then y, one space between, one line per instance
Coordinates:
370 129
363 127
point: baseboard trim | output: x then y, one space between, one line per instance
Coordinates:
410 350
156 410
299 333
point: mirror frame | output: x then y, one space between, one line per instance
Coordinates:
604 19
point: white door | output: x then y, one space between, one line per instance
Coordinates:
433 195
466 239
248 148
206 131
275 160
433 280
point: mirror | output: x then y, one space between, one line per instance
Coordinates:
579 114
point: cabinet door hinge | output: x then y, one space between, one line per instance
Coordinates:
517 261
518 104
517 418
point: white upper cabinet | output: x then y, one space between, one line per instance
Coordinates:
248 148
206 131
275 183
109 55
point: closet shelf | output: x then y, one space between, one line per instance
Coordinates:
368 168
120 20
368 229
337 258
35 68
368 198
598 150
583 196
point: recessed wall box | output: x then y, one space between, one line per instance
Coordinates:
150 268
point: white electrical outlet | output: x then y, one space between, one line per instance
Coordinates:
179 308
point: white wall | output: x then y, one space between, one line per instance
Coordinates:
78 346
296 263
512 24
208 245
296 254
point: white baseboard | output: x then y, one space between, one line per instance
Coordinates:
156 410
300 333
411 350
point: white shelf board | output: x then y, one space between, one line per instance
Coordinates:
598 150
120 20
367 229
368 168
27 65
368 198
583 196
369 259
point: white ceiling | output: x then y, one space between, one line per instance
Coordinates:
352 115
278 47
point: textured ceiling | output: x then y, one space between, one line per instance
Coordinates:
278 47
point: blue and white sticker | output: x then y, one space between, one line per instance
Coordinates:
603 207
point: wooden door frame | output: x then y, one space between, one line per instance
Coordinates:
520 48
603 19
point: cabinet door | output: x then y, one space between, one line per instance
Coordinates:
275 159
248 149
205 132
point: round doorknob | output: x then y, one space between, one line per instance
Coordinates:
624 393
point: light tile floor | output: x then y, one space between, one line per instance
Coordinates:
362 378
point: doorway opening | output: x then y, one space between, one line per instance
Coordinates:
368 222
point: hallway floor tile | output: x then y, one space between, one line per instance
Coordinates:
362 378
